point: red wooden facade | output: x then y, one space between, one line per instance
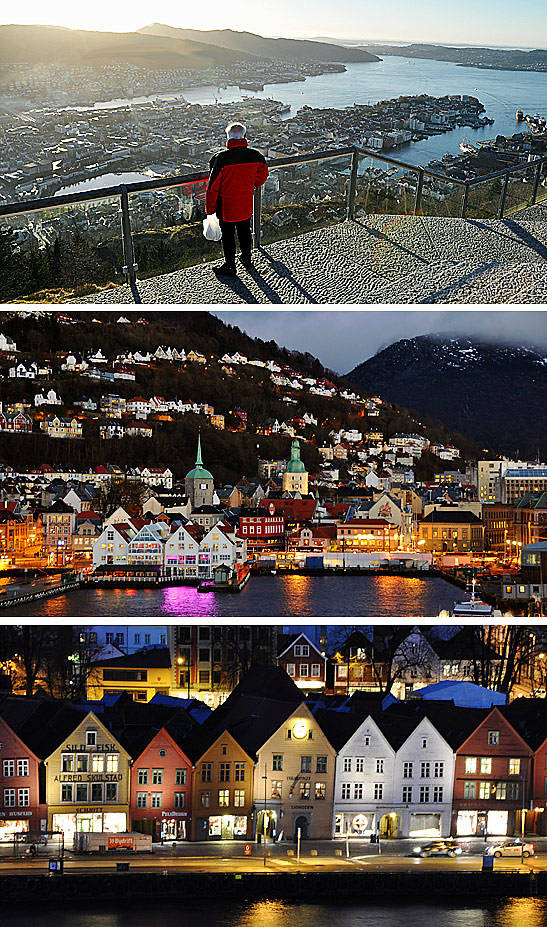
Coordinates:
20 806
161 783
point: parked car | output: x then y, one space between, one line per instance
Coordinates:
438 848
510 848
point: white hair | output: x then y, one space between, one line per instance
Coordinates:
236 130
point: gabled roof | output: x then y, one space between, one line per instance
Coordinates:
287 641
154 658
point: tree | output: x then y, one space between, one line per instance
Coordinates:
379 657
502 656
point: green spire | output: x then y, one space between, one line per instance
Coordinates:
295 465
199 461
199 472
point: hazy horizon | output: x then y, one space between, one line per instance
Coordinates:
496 23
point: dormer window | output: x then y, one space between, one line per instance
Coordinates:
91 738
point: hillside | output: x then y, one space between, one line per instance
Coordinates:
49 44
278 49
230 453
495 394
510 59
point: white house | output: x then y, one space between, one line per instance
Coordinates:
394 777
7 344
47 399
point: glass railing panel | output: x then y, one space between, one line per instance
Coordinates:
519 189
61 253
440 197
542 187
483 199
302 197
384 188
167 228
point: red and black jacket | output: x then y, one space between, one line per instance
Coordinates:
234 174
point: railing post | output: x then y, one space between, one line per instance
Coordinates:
353 182
130 267
257 216
537 178
419 186
503 195
464 200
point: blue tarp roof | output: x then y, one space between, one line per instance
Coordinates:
463 694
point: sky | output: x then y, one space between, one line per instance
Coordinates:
341 339
491 22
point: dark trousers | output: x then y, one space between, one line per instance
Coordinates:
229 238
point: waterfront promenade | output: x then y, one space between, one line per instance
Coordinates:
375 259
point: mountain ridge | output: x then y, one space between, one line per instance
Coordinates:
494 393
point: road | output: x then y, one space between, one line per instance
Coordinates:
227 856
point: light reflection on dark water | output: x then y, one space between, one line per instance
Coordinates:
264 596
514 912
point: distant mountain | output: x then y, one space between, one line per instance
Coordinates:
279 49
493 393
50 44
510 59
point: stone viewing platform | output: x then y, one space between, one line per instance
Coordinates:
375 259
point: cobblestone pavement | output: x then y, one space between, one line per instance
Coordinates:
375 259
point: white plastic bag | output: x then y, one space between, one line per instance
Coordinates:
211 228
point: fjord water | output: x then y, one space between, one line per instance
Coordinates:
512 912
264 596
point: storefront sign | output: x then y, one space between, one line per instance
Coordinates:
120 842
88 777
301 807
97 748
174 814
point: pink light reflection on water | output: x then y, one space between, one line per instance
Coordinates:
187 602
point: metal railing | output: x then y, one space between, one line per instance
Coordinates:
459 208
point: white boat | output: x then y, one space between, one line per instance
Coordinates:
473 607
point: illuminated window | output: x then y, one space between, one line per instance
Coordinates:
97 763
23 798
223 798
486 766
304 790
112 762
67 763
239 798
514 767
484 790
142 777
22 768
471 764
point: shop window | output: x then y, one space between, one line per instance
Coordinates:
180 776
179 799
156 799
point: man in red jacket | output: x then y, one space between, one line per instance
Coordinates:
234 174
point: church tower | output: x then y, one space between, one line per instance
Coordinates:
199 483
295 477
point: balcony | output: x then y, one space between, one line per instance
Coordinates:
338 226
